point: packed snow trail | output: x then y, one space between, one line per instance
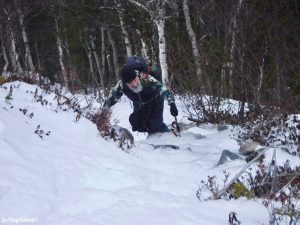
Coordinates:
74 177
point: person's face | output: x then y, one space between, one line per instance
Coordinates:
134 83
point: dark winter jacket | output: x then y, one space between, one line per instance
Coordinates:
152 89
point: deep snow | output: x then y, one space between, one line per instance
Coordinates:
75 177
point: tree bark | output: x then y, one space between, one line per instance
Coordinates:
103 59
90 58
97 59
14 54
160 23
144 50
102 29
124 31
38 59
261 78
158 16
233 47
4 53
61 57
69 57
193 40
114 55
28 56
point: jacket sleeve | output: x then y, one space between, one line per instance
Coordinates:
115 94
162 90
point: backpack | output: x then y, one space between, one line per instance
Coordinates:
139 63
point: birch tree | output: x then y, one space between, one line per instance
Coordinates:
14 55
92 39
233 46
193 39
61 56
28 57
124 31
157 11
144 49
86 44
114 55
102 29
3 51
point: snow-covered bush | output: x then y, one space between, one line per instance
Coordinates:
273 128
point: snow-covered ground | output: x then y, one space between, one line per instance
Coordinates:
73 176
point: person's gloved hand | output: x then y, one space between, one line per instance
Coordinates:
173 109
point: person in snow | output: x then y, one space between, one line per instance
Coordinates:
147 95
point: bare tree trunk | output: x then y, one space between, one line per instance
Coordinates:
193 40
233 47
61 56
92 71
90 58
159 17
124 31
97 59
103 58
67 47
28 57
144 50
14 54
160 23
38 59
223 78
261 78
114 55
103 50
162 51
4 52
280 81
110 68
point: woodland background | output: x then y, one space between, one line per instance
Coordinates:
242 49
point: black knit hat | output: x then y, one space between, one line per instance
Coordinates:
128 74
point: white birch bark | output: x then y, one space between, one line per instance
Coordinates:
14 54
162 51
4 53
233 47
61 57
109 66
144 50
158 15
124 31
102 29
12 51
90 58
28 56
114 56
193 39
261 78
97 59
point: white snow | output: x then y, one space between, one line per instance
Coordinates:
74 177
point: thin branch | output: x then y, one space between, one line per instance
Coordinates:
141 6
223 191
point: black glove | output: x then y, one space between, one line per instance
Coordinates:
173 109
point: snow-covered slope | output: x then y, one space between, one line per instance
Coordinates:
73 176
